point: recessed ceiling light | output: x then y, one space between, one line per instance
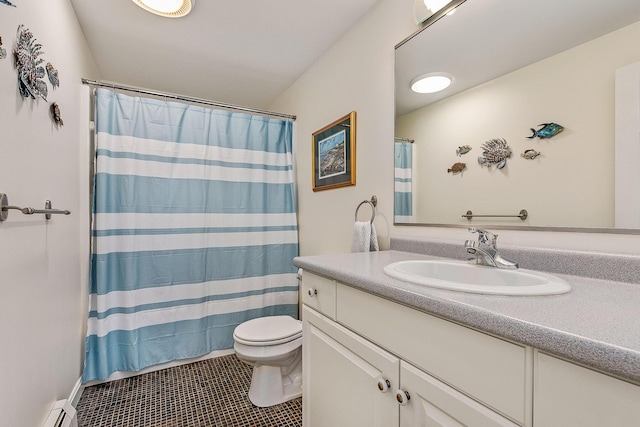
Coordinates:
431 82
166 8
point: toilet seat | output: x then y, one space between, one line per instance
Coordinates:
265 331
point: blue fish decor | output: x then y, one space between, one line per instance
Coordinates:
8 3
548 130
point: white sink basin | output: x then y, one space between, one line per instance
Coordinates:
465 277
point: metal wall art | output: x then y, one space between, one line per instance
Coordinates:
463 149
3 51
29 65
530 154
55 114
8 3
457 167
548 130
52 73
495 152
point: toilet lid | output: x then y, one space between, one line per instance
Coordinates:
272 330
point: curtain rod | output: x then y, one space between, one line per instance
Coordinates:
185 98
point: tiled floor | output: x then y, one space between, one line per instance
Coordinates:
202 394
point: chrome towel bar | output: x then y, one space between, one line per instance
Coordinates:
523 214
47 211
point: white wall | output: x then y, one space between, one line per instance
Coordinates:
43 264
357 73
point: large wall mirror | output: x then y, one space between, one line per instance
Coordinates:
481 144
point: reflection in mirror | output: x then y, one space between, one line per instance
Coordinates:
539 116
425 9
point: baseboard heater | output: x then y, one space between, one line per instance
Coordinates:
62 415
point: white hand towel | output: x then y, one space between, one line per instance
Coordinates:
365 238
374 239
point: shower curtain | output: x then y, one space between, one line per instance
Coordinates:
194 230
403 192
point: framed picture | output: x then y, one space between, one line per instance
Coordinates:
334 154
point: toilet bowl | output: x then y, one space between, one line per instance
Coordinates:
273 346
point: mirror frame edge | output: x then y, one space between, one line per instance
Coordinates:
432 20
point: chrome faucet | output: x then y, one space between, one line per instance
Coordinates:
486 250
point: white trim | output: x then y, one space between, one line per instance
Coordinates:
76 393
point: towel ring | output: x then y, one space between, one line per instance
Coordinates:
373 209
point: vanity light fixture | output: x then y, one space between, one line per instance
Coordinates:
166 8
431 82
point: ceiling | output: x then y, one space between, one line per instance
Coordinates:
242 52
486 39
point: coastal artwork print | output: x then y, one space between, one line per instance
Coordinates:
334 154
332 160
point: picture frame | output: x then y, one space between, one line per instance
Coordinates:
334 154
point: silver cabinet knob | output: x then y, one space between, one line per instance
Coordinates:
312 292
383 385
402 397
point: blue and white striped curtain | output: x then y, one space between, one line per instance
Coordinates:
194 230
403 192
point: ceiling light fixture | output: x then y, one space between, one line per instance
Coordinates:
431 82
166 8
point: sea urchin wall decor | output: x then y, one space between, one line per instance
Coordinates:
29 65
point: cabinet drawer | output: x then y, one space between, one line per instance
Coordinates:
491 370
319 293
567 394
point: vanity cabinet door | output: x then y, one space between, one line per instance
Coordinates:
341 376
433 403
570 395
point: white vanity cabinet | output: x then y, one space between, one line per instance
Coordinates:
357 365
566 394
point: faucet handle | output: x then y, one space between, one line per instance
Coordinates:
486 237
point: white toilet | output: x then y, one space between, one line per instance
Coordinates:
273 346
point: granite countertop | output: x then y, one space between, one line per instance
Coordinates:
597 324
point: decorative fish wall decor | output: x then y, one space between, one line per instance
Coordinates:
8 3
530 154
3 51
495 152
52 73
548 130
55 114
28 63
457 167
463 149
